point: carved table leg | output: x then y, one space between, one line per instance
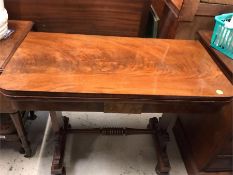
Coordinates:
17 120
161 138
60 125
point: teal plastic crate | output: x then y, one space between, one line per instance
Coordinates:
222 38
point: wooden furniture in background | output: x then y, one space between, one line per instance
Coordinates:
115 17
214 133
181 19
205 142
121 75
7 49
224 62
178 18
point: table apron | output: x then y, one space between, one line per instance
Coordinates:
120 106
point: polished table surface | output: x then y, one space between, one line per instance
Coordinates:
69 65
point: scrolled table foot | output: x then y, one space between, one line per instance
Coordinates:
28 153
21 150
57 167
58 171
162 168
161 173
161 138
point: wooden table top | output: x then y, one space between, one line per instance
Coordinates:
224 62
9 46
58 65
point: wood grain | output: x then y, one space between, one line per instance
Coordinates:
187 152
229 2
208 148
168 23
8 47
207 9
168 14
188 10
5 105
224 62
189 29
214 132
115 17
70 65
158 6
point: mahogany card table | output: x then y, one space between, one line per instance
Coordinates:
67 72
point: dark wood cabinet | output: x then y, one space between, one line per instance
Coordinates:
205 141
100 17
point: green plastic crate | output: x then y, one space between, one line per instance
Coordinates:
222 38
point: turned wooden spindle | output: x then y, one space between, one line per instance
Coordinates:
111 131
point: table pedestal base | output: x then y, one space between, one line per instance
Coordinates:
159 133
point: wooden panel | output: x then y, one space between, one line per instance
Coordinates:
123 108
189 10
158 6
5 105
230 2
115 17
77 64
227 149
221 163
97 104
213 134
168 14
187 154
188 30
206 9
168 23
8 47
